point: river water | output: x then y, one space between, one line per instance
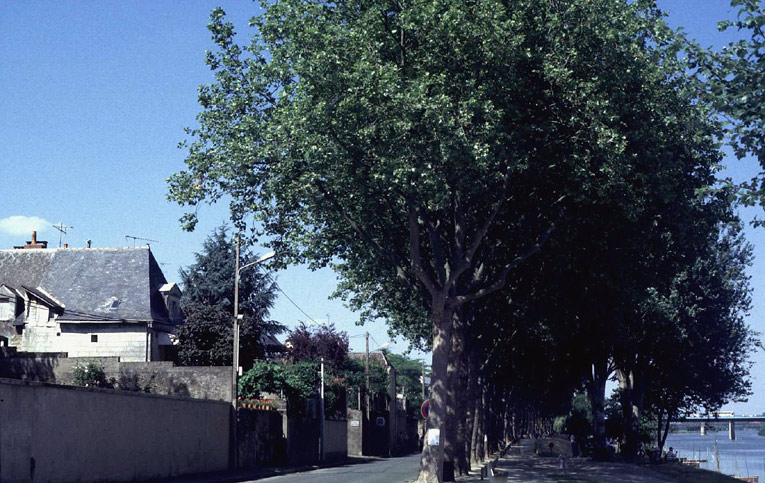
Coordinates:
745 456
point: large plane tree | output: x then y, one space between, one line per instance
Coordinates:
435 145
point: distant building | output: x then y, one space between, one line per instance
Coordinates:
87 302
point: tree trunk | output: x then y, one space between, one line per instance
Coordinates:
663 436
633 391
477 438
659 421
455 395
481 421
470 407
460 456
596 389
432 459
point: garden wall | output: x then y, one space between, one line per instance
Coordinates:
67 433
153 377
261 438
302 440
335 440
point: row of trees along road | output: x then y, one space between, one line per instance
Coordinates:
528 188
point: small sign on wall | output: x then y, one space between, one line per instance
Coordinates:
434 435
354 424
380 421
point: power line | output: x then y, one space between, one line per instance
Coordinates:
375 341
296 305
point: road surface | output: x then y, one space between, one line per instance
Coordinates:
389 470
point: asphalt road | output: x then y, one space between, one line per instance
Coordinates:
389 470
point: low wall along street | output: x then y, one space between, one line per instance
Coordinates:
335 440
261 438
151 377
62 433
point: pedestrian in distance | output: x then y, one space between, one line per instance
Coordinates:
574 446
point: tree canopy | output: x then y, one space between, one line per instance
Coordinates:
206 337
427 151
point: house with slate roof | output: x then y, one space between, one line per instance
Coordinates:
87 302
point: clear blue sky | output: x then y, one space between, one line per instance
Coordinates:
95 96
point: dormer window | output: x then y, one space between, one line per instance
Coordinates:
7 308
171 295
115 304
9 303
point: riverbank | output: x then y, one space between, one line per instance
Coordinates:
531 468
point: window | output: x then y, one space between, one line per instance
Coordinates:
94 337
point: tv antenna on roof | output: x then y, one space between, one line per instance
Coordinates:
62 231
139 238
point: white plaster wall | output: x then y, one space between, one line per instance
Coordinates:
128 342
39 338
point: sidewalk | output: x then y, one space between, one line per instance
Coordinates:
531 468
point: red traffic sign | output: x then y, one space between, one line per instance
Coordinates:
425 409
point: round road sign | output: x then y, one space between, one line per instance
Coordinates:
425 409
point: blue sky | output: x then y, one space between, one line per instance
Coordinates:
95 97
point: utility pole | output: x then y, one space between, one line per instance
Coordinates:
235 363
366 374
235 356
321 415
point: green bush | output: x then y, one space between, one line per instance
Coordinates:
90 375
298 382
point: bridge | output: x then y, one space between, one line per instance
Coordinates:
731 420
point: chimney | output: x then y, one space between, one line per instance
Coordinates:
66 245
88 243
33 243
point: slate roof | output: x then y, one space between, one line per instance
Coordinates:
120 284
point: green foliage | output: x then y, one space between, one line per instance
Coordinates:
731 80
206 337
408 375
616 426
425 150
579 419
90 375
264 377
299 382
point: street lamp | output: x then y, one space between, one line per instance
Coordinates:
235 360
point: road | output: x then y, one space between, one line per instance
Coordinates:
390 470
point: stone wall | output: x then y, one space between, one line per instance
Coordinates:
355 432
65 433
152 377
261 440
335 440
302 441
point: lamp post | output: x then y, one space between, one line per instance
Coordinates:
235 360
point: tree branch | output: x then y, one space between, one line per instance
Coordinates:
414 250
436 246
371 242
500 282
467 260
